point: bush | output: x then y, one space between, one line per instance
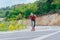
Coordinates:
11 25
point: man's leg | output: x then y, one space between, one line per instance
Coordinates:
32 24
33 27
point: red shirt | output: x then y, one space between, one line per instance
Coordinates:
33 17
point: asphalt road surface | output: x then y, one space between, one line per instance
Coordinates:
41 33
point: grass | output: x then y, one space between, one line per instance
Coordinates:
11 26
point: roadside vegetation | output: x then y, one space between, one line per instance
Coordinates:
11 26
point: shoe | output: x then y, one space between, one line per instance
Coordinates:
33 29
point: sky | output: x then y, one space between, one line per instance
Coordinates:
5 3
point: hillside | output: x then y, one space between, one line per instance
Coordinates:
47 20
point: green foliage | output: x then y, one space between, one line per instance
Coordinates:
39 7
56 2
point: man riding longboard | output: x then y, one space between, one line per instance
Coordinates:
33 21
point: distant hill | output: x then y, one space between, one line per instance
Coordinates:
39 7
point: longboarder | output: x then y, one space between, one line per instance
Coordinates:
33 21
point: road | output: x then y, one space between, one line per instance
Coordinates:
41 33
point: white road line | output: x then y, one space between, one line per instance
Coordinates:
14 31
26 37
38 28
27 30
45 36
32 39
13 38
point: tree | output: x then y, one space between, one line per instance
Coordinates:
49 2
7 14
